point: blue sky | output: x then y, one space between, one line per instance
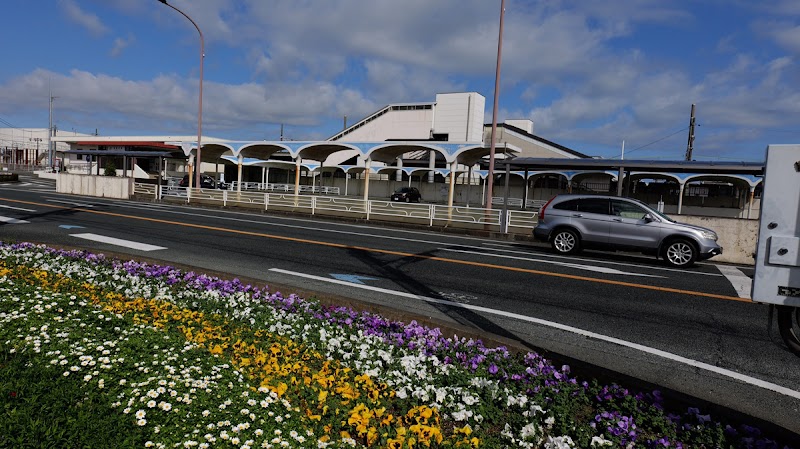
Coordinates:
589 74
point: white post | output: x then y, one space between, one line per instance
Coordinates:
239 174
398 175
296 180
451 193
431 165
367 164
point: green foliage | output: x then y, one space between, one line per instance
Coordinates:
40 408
110 170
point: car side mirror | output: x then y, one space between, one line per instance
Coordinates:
648 218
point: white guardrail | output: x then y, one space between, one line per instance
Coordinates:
289 188
522 221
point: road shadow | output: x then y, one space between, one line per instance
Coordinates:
464 317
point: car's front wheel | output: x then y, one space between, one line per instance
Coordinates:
680 253
565 241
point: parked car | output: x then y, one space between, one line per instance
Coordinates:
206 182
407 194
573 222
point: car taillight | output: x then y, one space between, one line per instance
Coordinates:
541 211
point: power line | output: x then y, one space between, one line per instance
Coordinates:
655 141
10 125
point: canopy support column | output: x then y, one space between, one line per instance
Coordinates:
367 164
398 175
525 190
431 165
239 174
297 162
452 189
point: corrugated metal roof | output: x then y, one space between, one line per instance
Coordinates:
129 153
711 167
130 143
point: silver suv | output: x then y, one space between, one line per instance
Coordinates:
573 222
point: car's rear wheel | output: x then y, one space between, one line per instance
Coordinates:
680 253
789 326
565 241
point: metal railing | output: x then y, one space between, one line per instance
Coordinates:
517 202
288 188
517 221
21 167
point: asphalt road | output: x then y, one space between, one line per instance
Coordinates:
631 318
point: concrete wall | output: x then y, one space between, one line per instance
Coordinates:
736 237
92 185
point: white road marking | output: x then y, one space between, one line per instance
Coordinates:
740 282
16 208
608 262
70 202
118 242
646 349
171 209
10 220
604 270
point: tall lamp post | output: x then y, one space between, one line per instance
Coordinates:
200 101
490 177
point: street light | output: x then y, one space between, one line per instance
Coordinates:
490 177
200 101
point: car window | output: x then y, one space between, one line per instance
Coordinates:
593 205
588 205
627 210
567 205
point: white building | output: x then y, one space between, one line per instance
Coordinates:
28 146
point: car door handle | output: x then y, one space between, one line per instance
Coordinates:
618 219
577 215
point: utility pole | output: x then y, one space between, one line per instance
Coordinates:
490 177
690 145
50 152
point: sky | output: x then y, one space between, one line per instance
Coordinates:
595 77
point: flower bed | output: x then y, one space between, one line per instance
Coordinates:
151 356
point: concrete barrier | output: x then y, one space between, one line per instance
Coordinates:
737 237
91 185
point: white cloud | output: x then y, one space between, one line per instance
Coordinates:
120 44
90 22
589 74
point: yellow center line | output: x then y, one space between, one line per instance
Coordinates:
399 253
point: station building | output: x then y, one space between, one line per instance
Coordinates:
441 147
